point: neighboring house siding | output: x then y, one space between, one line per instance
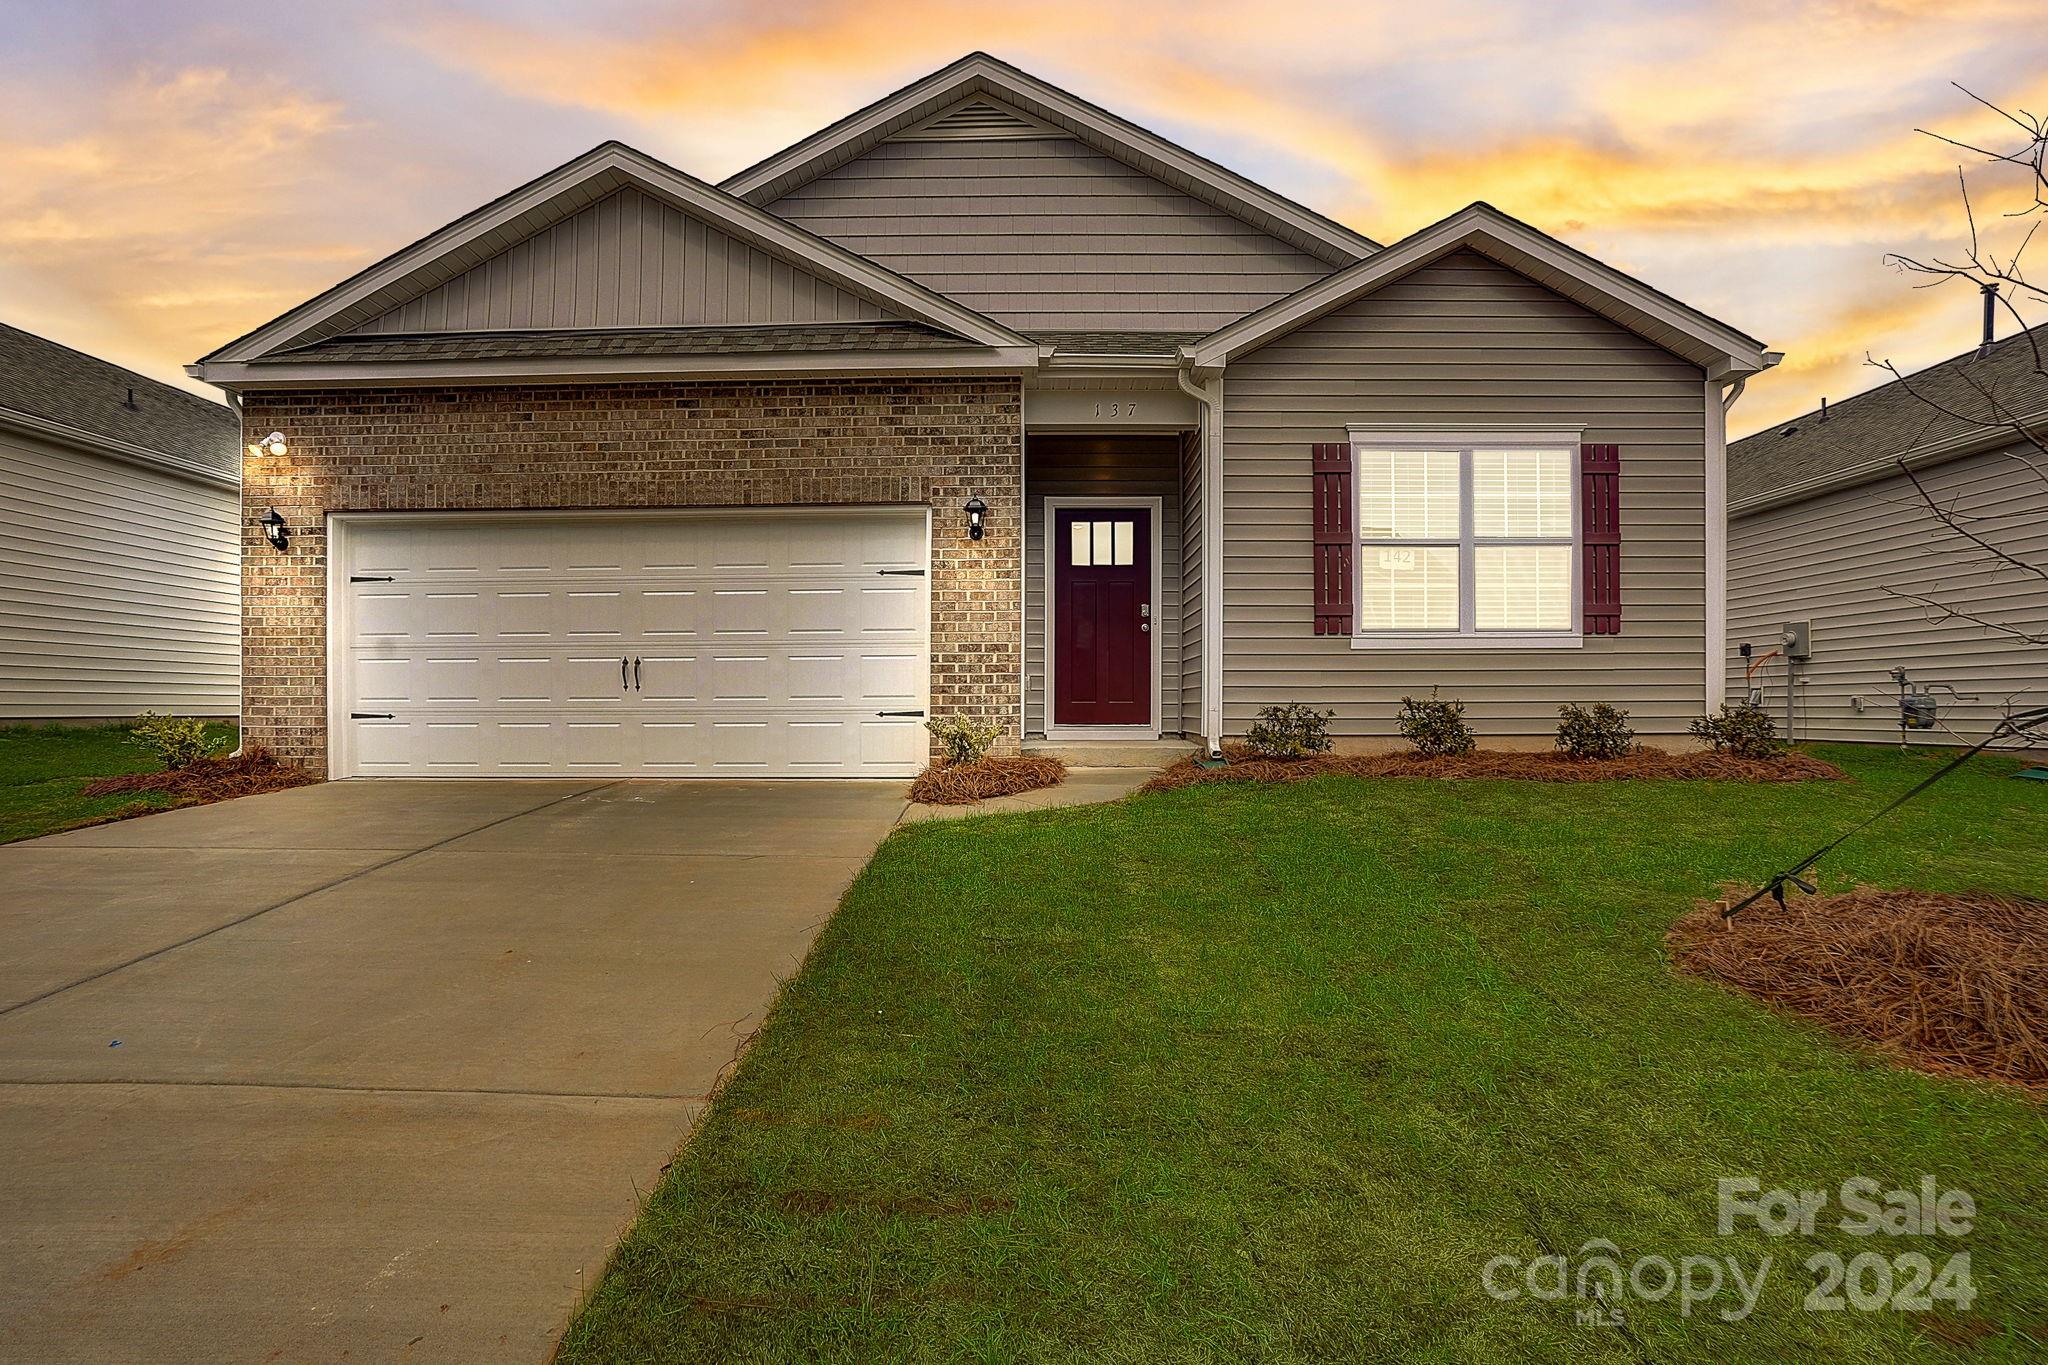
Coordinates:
1047 234
1153 474
627 261
119 588
808 442
1461 343
1828 560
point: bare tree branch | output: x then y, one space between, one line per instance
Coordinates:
1943 611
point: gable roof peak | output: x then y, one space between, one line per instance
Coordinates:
597 174
1071 116
1722 351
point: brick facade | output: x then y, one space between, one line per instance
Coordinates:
939 441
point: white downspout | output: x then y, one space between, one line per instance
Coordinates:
1717 541
1210 396
1718 404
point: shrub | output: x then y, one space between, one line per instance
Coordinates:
1290 731
1436 727
961 740
1596 731
177 740
1742 729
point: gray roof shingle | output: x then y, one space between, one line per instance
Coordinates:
53 382
639 341
1960 395
1118 343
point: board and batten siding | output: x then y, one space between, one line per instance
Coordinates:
1149 468
1828 560
120 588
1047 234
628 260
1464 342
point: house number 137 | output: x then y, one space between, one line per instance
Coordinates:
1116 408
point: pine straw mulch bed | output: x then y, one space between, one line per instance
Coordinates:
1643 764
962 784
249 773
1956 985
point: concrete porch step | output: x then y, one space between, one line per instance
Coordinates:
1113 753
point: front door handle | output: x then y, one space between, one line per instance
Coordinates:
636 675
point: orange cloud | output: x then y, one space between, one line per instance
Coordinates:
120 238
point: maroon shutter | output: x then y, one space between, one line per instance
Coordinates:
1600 535
1330 468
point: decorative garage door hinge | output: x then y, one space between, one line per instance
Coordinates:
371 715
901 573
899 713
371 578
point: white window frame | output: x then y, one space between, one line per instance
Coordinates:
1468 635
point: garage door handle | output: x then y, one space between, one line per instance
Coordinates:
636 675
899 713
901 573
371 578
371 715
622 673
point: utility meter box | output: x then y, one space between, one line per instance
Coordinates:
1798 640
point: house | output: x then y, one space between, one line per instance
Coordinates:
981 402
119 541
1872 529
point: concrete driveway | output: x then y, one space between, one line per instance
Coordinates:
378 1071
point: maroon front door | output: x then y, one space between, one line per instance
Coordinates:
1102 616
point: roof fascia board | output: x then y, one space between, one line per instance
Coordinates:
685 192
1871 471
59 433
1473 226
242 376
982 74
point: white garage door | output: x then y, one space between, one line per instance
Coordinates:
791 643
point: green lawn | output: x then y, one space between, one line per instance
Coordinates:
43 768
1270 1073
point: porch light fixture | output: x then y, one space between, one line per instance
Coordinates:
976 510
273 444
274 529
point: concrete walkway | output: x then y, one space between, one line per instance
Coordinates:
1083 787
378 1071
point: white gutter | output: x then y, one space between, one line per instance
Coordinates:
281 374
32 425
1210 397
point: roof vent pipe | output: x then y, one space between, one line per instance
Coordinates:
1823 409
1990 288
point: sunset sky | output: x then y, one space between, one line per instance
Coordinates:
172 174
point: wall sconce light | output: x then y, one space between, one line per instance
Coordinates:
273 444
274 529
976 510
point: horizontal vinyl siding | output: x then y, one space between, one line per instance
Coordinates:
119 588
1464 342
1192 604
1828 561
627 261
1056 477
1047 234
